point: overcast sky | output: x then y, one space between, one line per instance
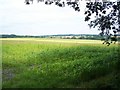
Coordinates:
40 19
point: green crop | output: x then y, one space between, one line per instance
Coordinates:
54 63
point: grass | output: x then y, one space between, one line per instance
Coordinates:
45 63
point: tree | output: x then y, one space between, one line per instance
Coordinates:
106 15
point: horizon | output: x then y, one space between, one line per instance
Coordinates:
48 34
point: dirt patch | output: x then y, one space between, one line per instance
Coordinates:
7 74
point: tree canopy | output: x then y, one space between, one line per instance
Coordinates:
106 15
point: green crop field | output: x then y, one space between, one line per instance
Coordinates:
59 63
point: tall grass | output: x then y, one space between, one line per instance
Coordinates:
38 64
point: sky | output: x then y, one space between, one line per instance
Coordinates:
40 19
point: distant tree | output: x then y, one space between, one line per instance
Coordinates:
73 37
106 14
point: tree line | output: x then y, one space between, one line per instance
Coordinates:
60 36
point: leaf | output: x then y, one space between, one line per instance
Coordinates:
76 8
114 14
46 2
100 15
69 3
93 11
56 3
109 27
87 18
27 3
102 28
113 27
87 6
85 12
113 22
104 12
88 11
115 6
59 4
89 14
115 31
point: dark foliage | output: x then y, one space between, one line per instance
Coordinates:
107 18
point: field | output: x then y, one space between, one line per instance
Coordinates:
59 63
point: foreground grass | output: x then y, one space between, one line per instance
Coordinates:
59 63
